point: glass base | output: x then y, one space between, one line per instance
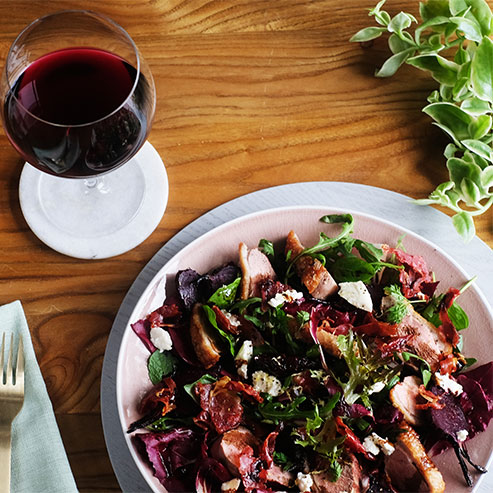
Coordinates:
101 217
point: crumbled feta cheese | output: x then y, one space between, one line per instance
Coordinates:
161 339
357 294
287 296
376 387
263 382
232 319
304 482
462 435
448 384
243 358
231 485
369 444
374 443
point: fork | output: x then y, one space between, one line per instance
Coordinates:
11 400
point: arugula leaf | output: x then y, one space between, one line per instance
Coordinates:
225 295
242 305
160 365
452 43
228 338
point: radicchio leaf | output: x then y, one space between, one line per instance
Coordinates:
142 329
171 451
209 472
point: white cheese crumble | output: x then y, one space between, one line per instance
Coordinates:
285 297
357 294
462 435
268 384
232 319
304 482
374 443
376 388
161 339
243 358
448 384
231 485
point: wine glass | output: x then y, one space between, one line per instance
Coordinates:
78 101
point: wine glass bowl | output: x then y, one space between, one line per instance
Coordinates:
78 98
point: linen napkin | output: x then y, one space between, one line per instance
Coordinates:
39 461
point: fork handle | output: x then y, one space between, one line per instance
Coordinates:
5 447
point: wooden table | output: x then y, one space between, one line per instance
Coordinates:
251 94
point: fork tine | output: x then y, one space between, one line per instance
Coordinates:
2 360
19 372
10 371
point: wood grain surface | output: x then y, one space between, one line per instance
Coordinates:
251 94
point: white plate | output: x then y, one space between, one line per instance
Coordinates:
220 245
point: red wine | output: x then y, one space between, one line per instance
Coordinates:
74 112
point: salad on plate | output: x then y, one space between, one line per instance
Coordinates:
336 367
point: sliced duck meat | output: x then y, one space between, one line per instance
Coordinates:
411 454
405 396
255 269
425 341
348 481
229 447
274 475
203 338
312 273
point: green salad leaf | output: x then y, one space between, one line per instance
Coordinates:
160 365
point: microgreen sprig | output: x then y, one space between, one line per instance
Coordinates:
462 106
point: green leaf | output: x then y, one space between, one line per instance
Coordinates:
464 225
225 295
225 336
368 251
160 365
487 177
367 34
470 28
441 69
480 11
426 376
460 169
204 379
458 317
479 148
470 192
397 44
451 117
457 6
352 269
393 63
267 248
482 71
395 313
475 106
480 126
400 22
434 8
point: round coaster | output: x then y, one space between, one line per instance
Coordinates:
99 217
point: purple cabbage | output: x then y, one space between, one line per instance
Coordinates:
210 472
477 398
142 329
173 455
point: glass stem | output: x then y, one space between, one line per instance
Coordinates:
92 184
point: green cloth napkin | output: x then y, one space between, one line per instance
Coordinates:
39 461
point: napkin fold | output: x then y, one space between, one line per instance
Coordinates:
39 460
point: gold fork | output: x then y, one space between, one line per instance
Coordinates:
11 400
